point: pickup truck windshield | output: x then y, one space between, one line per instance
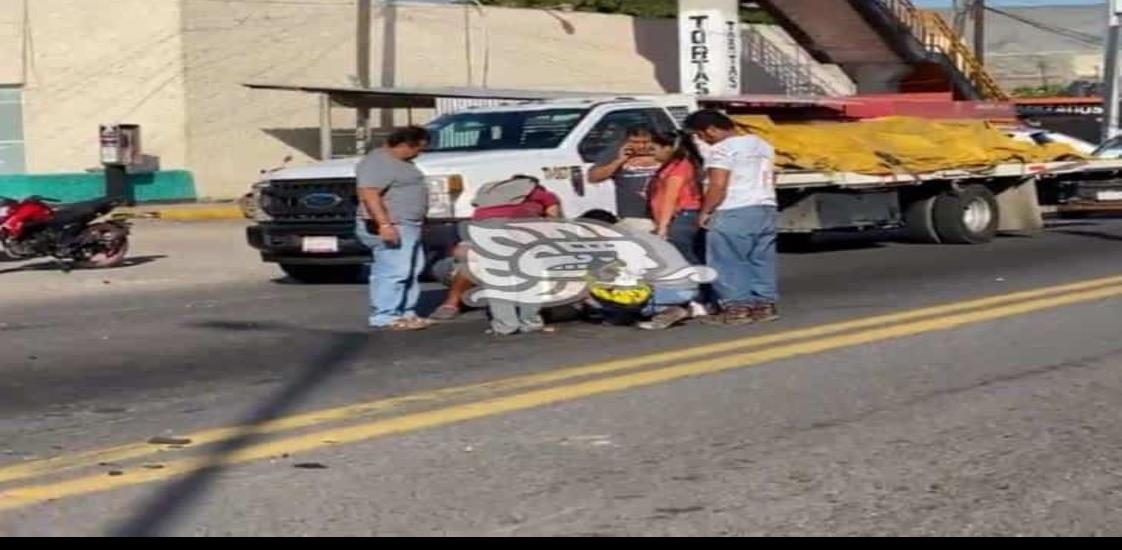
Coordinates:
468 131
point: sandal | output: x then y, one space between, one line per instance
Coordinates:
672 316
407 325
739 316
445 313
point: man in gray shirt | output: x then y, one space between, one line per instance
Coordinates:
631 166
393 203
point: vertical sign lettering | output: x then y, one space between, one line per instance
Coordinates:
710 44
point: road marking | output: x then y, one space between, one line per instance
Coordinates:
131 451
24 496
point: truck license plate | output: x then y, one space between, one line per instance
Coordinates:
321 245
1109 196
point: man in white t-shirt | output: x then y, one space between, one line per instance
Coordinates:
740 213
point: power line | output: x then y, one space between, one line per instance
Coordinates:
1077 36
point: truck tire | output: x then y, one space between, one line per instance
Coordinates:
919 221
970 216
323 274
796 242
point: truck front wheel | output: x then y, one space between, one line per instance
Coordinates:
323 274
970 216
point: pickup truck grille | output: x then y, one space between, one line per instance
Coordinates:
310 200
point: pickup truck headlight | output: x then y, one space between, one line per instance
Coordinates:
443 193
255 206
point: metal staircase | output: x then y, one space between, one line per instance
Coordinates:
887 46
939 39
794 70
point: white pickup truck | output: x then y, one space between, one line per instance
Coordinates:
305 215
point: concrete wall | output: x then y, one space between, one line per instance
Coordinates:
234 132
102 61
11 42
177 68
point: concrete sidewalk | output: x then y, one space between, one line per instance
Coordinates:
185 212
164 255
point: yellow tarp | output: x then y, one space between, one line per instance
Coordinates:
898 145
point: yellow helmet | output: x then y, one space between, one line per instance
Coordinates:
627 297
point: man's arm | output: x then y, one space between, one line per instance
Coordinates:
715 194
371 199
551 203
607 168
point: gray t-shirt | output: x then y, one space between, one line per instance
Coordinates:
632 183
403 185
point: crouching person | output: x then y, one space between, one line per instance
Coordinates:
667 299
520 198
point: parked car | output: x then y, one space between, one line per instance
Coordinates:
1043 137
1110 149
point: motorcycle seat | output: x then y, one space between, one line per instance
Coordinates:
78 212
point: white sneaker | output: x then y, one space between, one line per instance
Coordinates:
698 310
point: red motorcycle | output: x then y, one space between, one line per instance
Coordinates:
33 228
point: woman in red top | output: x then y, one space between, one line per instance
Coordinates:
675 194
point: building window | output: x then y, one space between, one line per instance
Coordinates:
11 131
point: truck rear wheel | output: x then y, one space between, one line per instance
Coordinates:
323 274
919 220
970 216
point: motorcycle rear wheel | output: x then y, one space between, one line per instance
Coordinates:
112 246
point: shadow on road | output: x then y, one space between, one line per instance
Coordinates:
1091 234
830 242
156 514
55 265
430 299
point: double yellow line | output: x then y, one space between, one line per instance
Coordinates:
476 401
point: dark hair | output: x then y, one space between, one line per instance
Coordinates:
709 118
684 148
408 135
602 216
640 130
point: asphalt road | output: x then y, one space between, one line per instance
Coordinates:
984 405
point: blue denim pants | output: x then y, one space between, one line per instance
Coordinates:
395 287
741 246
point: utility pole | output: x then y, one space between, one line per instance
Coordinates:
980 30
362 57
961 9
1110 71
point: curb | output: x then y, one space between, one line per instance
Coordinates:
185 213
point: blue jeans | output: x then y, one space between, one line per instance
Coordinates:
685 235
741 247
394 275
666 297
